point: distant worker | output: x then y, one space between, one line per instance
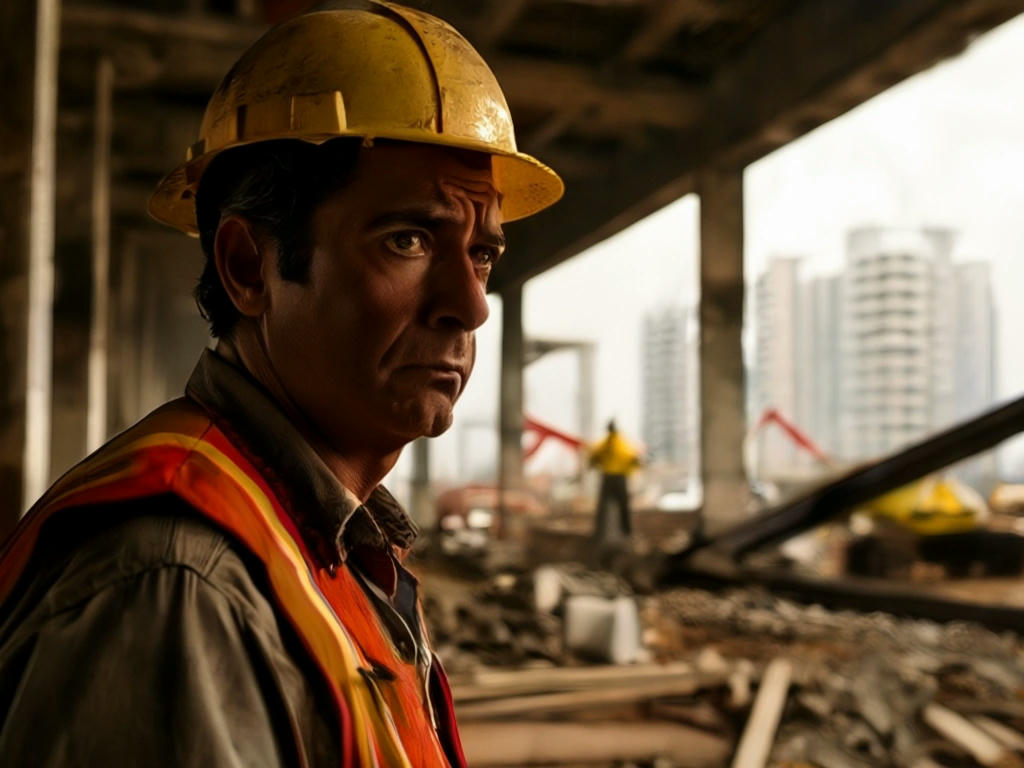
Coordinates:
617 459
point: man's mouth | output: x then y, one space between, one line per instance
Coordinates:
441 372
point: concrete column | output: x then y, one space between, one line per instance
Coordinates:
510 418
723 415
96 419
422 510
29 39
586 396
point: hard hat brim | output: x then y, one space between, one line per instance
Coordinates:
527 186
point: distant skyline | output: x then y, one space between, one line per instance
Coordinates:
944 148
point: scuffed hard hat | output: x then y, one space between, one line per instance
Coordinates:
383 72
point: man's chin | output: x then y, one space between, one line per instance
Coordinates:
426 418
438 422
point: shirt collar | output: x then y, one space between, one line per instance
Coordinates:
330 517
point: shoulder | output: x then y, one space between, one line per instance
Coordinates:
131 606
85 552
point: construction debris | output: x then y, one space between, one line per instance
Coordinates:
519 618
963 733
806 686
756 742
527 742
603 629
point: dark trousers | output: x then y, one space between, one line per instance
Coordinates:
613 514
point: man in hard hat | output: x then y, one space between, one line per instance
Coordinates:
617 459
222 584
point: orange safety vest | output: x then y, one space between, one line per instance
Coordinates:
178 449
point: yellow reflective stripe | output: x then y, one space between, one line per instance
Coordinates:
155 440
299 569
291 571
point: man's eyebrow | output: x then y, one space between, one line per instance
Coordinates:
427 217
495 239
432 218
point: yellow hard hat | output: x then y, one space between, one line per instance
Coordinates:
387 72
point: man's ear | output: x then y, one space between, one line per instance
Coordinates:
239 259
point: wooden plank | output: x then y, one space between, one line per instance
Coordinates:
589 700
756 741
488 745
1008 737
490 684
983 748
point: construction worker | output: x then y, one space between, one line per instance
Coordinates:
617 460
222 584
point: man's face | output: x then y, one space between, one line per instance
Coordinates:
377 345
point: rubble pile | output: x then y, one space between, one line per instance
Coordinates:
867 689
499 623
743 673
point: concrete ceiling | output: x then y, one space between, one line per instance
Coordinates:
626 98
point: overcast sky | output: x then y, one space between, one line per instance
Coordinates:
945 148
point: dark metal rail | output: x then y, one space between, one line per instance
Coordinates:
718 560
863 484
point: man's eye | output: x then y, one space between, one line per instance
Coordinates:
486 256
407 243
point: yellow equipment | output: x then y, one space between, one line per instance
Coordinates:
387 72
932 506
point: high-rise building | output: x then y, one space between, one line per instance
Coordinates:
780 345
818 378
670 389
974 339
920 338
899 345
974 359
897 339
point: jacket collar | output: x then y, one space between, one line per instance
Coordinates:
331 518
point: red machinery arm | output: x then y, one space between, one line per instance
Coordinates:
543 432
795 433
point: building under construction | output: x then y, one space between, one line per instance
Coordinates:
635 103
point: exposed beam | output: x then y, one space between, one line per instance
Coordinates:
666 19
111 22
128 201
556 86
191 55
801 70
554 127
501 20
571 163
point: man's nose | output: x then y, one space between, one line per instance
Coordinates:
458 292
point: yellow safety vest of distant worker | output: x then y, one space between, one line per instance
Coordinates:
614 455
616 459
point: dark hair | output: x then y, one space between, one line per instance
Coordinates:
276 185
